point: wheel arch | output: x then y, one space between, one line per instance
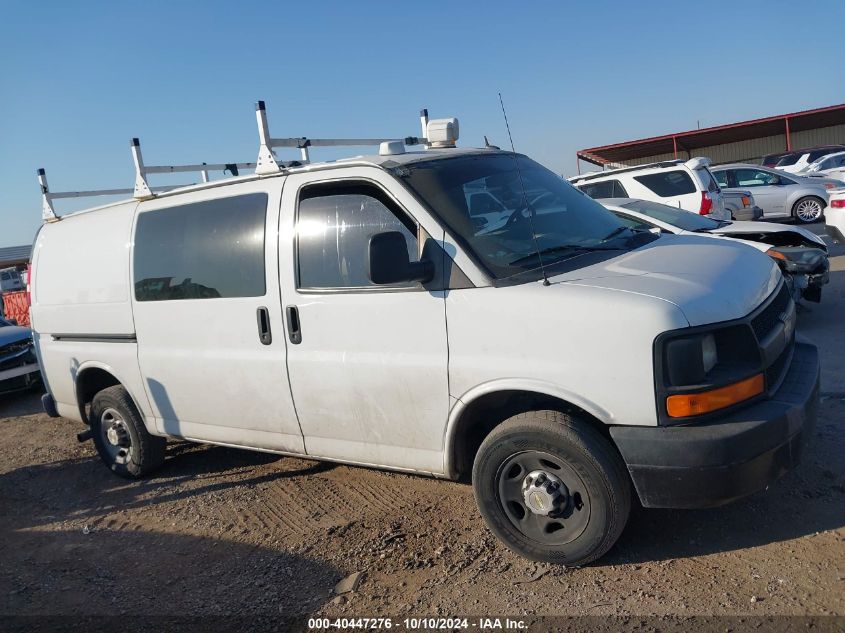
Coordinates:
91 378
482 408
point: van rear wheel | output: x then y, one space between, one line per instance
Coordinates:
552 488
122 440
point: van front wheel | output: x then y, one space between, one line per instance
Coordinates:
552 488
122 440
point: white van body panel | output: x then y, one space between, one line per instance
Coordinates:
490 331
81 311
206 373
690 272
93 246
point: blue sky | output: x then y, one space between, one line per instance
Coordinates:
79 79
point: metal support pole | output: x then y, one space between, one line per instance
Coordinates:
204 173
675 145
266 162
142 188
48 213
788 139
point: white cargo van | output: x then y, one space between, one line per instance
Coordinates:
356 311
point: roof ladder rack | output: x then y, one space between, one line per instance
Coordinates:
268 164
142 189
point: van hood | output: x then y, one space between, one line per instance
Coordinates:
708 280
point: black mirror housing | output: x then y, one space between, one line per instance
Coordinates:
389 263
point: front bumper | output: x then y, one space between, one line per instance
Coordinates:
20 377
750 214
716 462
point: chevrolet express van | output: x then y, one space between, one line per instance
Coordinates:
356 311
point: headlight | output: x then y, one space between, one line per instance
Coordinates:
699 372
690 359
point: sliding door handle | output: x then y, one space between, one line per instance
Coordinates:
294 330
264 333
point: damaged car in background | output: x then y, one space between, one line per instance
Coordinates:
800 254
18 364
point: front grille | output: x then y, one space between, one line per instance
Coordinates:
763 323
775 371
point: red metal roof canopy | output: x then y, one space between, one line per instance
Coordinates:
731 133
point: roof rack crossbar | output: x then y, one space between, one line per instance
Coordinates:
444 134
268 164
142 189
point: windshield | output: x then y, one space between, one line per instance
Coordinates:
482 199
676 217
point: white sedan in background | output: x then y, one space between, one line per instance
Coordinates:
800 254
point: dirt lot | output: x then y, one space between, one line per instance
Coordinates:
222 531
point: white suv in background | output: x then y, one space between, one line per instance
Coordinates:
831 166
687 185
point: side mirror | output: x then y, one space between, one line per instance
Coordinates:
389 262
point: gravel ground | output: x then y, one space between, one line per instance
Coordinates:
221 531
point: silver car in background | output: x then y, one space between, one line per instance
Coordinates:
779 194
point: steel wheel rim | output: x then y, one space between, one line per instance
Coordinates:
554 530
809 210
115 436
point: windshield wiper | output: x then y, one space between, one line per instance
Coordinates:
577 249
615 232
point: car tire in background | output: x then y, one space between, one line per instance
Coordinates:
808 209
122 440
552 488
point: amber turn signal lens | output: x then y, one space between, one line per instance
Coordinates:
775 254
686 405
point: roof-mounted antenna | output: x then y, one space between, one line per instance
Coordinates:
524 195
488 145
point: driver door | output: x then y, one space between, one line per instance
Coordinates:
367 363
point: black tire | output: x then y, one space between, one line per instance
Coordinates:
136 453
590 470
810 202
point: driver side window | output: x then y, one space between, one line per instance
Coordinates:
333 229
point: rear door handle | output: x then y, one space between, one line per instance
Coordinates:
264 333
294 331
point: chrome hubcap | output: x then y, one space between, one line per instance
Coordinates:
117 440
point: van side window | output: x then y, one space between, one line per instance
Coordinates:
668 183
333 229
205 250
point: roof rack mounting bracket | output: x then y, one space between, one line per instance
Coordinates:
266 161
48 213
142 188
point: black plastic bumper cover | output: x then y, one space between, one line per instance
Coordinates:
717 462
